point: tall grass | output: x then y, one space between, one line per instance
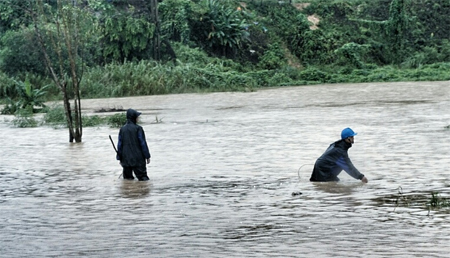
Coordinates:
152 78
24 118
214 74
56 118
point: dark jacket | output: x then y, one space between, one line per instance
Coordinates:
333 161
132 149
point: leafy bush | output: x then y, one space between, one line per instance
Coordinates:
55 116
11 107
221 27
117 120
24 118
199 58
175 15
261 78
7 86
273 58
280 79
126 36
95 120
27 98
20 53
314 74
351 53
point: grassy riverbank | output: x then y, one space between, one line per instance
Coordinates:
152 78
209 46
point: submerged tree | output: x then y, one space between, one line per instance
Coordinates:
61 31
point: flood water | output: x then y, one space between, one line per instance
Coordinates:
223 172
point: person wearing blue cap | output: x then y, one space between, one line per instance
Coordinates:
132 149
335 159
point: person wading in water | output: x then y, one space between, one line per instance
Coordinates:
132 149
335 159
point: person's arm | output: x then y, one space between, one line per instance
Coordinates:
119 148
143 143
346 164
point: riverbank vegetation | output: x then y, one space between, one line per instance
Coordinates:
129 48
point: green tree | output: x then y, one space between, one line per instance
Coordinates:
223 27
13 14
126 35
175 20
396 28
66 26
351 53
19 53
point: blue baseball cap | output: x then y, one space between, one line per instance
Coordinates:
347 132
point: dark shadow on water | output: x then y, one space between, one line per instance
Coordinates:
135 189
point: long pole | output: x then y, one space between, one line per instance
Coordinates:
112 142
114 146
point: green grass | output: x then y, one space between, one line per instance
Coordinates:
152 78
55 117
24 119
117 120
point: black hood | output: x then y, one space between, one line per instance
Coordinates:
132 115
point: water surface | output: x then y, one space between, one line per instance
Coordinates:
224 167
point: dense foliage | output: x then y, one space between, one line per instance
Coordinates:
209 45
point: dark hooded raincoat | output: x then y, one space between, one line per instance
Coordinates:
132 149
333 161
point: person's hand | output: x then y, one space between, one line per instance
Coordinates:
364 180
148 161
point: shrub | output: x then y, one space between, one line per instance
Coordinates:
175 19
24 118
10 107
221 27
55 116
273 58
7 86
117 120
20 53
314 74
95 120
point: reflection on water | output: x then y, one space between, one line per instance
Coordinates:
134 189
337 188
224 167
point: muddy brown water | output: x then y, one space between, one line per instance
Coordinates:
224 167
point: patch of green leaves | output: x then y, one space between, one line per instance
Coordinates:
126 36
24 118
117 120
28 98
